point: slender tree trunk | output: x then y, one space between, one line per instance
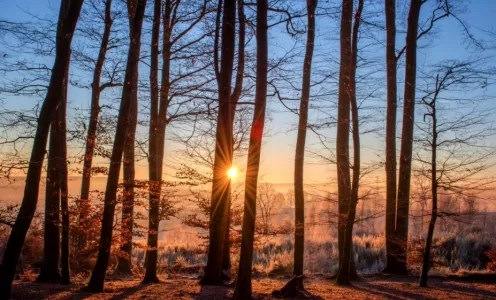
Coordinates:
243 282
343 127
226 250
434 186
355 184
223 152
293 286
92 128
124 265
65 255
155 171
136 20
64 188
226 256
49 272
68 17
347 269
407 137
391 69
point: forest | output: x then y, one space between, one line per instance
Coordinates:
248 149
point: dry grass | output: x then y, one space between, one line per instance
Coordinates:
378 287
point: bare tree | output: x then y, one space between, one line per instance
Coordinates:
268 202
178 20
453 135
292 287
347 267
155 189
343 120
392 103
136 12
128 192
96 88
64 187
223 151
68 17
396 241
403 202
49 271
243 281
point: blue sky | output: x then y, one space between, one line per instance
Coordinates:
278 151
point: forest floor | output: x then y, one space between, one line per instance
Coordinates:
373 287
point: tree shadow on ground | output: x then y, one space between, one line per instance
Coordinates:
128 292
215 292
118 293
469 291
34 290
388 292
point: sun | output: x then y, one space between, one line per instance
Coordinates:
232 172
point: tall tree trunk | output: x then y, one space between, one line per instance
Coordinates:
343 126
68 17
391 69
64 200
236 94
226 250
434 185
223 151
51 242
136 20
407 137
299 249
347 268
155 171
92 128
355 184
124 265
243 282
64 189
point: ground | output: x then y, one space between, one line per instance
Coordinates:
377 287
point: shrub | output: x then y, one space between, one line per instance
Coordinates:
492 255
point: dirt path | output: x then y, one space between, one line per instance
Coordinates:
379 287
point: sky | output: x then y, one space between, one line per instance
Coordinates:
279 144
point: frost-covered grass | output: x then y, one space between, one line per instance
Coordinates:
321 255
453 253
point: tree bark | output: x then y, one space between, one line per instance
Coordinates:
391 69
68 17
49 271
92 128
124 265
223 151
355 184
299 198
343 126
136 20
347 267
243 282
403 201
64 189
236 94
155 171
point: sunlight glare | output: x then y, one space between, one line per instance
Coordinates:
232 172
